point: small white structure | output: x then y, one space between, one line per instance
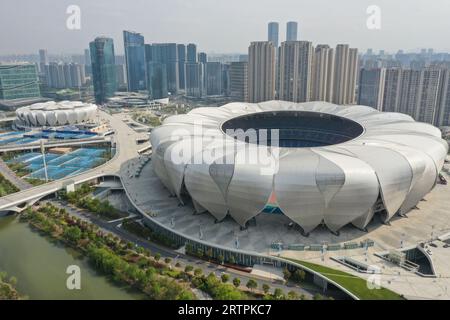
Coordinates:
55 114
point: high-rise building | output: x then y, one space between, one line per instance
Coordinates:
87 57
87 61
296 59
18 81
181 61
291 31
345 74
202 57
442 117
272 33
410 82
239 81
103 68
323 74
226 79
392 81
429 95
194 72
77 75
213 78
191 54
157 80
135 60
261 71
371 88
121 75
43 60
171 62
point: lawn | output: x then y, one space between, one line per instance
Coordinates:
6 187
354 284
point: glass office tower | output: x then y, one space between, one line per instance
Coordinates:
103 68
18 81
135 60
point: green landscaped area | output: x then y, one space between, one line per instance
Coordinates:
354 284
6 187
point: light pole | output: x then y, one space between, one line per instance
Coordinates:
43 158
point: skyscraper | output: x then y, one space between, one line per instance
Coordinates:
295 70
202 57
191 55
213 78
429 95
87 62
442 117
43 60
157 80
371 87
323 74
181 61
103 68
409 91
291 31
345 74
392 89
261 71
194 79
135 60
18 81
239 81
272 33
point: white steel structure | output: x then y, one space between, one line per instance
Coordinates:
331 164
55 114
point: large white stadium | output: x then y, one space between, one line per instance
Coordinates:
55 114
335 165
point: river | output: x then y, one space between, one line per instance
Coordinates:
40 264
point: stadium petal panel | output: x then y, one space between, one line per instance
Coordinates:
316 162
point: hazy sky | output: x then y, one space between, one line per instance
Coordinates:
223 26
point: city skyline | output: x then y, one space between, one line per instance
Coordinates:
164 22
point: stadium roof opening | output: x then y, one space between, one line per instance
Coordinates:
294 129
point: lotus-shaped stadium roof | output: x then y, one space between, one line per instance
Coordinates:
322 163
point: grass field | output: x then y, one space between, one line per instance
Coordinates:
354 284
6 187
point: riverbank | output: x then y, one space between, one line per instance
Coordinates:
8 289
108 254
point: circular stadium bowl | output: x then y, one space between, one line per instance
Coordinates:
319 162
55 113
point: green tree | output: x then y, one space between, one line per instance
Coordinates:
299 275
225 277
286 274
157 256
266 288
198 272
232 259
73 234
292 295
188 268
236 282
278 294
251 284
167 260
318 296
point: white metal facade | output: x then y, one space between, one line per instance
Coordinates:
55 113
395 160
